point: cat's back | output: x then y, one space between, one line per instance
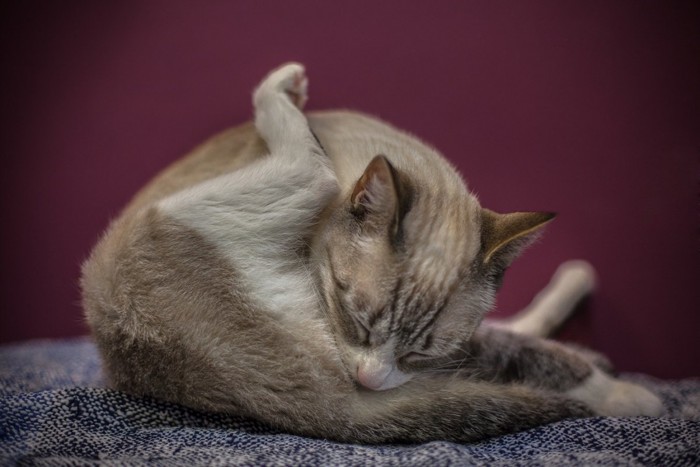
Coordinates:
351 139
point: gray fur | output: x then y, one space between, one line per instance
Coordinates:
276 285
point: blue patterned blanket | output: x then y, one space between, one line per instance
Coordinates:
56 410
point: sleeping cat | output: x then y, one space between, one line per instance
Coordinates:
328 275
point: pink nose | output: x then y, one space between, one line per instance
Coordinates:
371 377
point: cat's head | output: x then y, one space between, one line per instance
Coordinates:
410 268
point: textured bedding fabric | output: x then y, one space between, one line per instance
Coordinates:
55 410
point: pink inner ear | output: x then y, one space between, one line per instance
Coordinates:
359 193
373 194
362 198
372 189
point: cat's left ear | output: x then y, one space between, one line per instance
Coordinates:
505 236
380 196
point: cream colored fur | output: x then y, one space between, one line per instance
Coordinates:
321 273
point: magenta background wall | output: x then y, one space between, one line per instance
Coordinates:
590 109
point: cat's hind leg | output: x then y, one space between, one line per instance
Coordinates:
572 281
261 216
278 101
273 202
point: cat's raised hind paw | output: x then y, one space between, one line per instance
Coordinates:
290 80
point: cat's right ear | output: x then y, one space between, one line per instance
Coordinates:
376 198
505 236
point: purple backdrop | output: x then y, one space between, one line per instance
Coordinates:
588 108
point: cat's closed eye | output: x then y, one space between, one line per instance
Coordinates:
412 357
340 284
363 332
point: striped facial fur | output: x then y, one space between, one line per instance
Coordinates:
405 274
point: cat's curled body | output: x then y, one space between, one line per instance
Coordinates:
328 275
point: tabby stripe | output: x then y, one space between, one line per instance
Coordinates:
413 296
429 323
394 301
340 285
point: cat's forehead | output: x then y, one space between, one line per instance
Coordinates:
444 238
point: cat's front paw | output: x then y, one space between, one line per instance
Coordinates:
288 81
612 397
630 400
